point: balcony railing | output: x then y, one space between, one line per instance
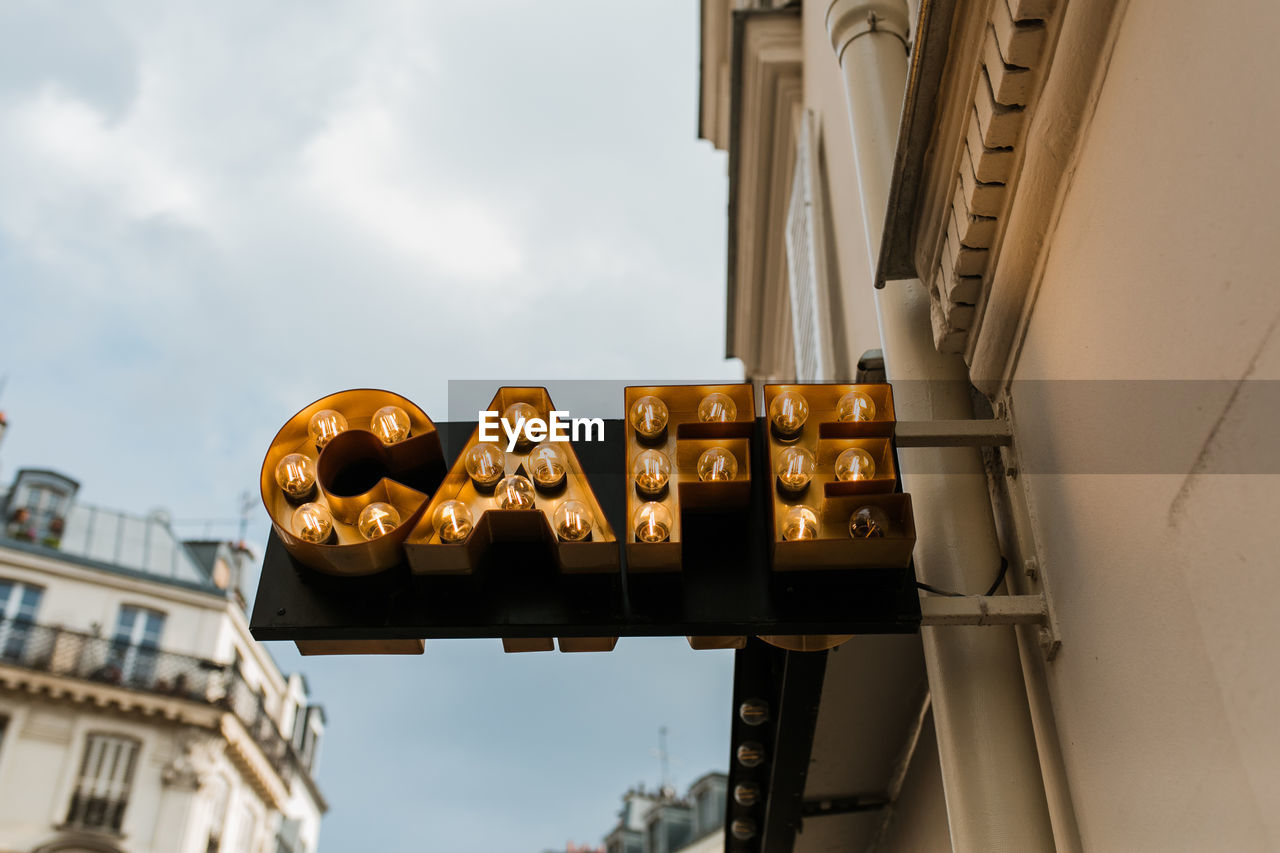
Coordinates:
71 654
145 544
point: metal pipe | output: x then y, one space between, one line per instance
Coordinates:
991 773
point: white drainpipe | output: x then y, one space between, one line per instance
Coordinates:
990 770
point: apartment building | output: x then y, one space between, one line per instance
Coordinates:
137 715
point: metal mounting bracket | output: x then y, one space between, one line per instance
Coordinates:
983 610
993 432
1030 601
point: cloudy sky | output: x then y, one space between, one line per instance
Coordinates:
213 213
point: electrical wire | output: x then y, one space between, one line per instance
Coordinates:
1004 567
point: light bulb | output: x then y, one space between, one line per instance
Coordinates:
573 521
649 417
800 522
377 519
717 408
546 465
391 424
787 412
855 464
651 471
750 753
324 425
717 465
312 522
869 522
754 712
521 414
743 828
795 468
453 522
486 463
746 794
296 475
652 522
855 406
514 492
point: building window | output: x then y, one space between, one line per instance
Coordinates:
709 806
38 506
135 644
18 605
306 736
656 841
248 830
289 839
102 788
219 789
670 828
808 277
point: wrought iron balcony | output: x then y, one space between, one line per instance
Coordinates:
71 654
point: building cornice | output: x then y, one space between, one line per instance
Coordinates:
247 756
1081 40
995 58
983 154
713 72
108 697
246 753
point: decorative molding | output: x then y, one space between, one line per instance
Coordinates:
239 744
715 69
767 90
193 760
51 725
1005 135
713 92
248 758
1002 71
105 696
1081 38
78 842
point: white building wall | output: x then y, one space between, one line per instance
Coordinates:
40 761
78 598
1161 267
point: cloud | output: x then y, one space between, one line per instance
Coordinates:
215 213
361 167
68 150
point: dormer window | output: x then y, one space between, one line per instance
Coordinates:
37 507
